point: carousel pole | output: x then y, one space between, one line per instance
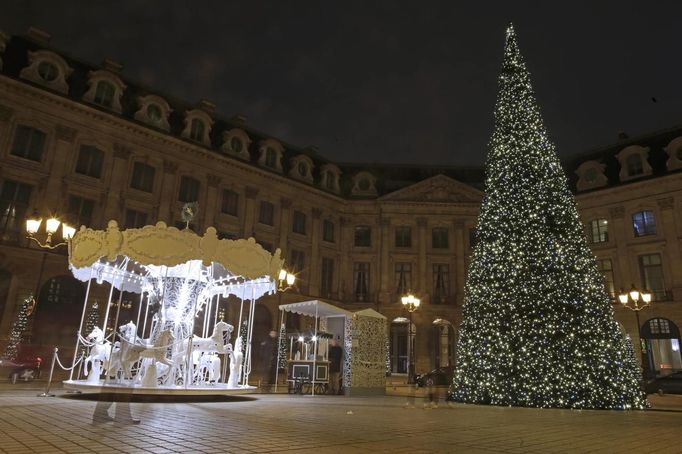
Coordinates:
80 327
146 313
115 330
249 335
106 313
279 342
139 313
239 333
215 310
315 350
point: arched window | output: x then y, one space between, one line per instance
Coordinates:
104 94
197 130
48 71
271 158
635 165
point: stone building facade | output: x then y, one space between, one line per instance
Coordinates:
83 142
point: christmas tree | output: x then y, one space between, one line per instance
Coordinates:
538 327
18 328
243 331
283 352
91 320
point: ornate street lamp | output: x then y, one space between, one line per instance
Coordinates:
51 226
411 303
286 281
636 300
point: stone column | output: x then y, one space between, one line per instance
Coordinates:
250 211
457 293
284 225
54 197
315 265
115 202
672 250
212 200
621 231
168 197
346 263
421 256
385 261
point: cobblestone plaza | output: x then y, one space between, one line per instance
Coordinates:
282 423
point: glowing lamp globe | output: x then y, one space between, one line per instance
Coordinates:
52 225
32 225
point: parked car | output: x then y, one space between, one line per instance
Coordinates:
669 384
21 369
437 377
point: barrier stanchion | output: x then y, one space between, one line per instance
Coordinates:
46 393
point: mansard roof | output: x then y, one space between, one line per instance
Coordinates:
656 142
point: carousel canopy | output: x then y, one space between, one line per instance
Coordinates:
133 259
313 307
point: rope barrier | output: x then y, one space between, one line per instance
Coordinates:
67 368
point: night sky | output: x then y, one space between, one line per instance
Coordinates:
399 82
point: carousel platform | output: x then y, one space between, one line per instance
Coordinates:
219 389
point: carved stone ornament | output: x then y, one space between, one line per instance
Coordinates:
667 203
162 245
66 134
617 212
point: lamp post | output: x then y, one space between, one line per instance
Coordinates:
636 300
285 281
411 303
51 226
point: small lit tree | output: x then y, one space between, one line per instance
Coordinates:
91 320
18 329
282 347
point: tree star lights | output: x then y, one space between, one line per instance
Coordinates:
538 328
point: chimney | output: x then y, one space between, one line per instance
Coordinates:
206 106
38 35
111 65
622 135
239 120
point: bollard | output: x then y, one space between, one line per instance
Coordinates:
49 379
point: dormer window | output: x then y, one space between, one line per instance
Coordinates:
271 154
674 150
301 168
633 162
198 126
364 184
197 131
48 69
330 178
105 89
154 111
104 94
590 175
271 158
237 145
634 165
236 142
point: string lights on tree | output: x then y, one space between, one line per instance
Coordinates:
538 328
19 328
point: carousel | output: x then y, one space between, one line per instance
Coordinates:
178 342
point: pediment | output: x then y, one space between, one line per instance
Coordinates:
436 189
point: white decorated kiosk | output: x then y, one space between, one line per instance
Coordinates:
169 348
362 335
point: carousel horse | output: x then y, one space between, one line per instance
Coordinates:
123 357
209 368
217 342
156 352
99 351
